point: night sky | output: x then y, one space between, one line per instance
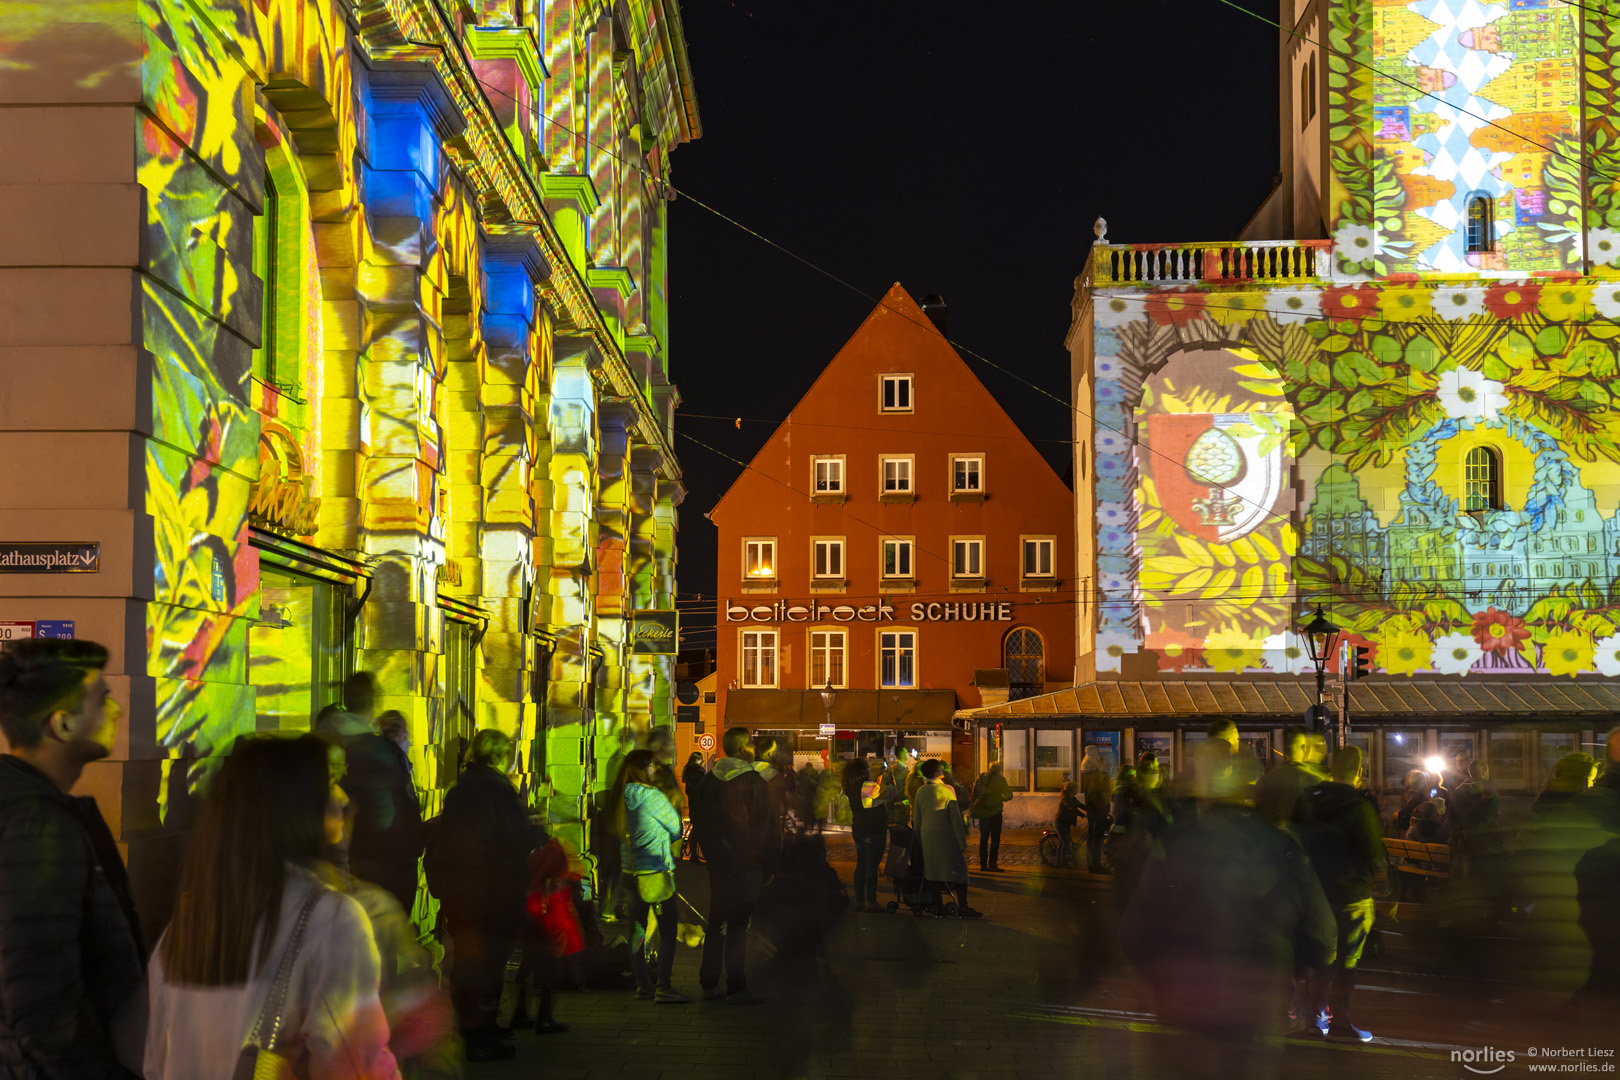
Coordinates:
963 149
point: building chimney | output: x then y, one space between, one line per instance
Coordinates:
933 306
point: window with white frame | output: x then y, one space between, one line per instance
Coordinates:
897 475
897 557
759 659
895 393
897 659
967 474
759 558
828 474
828 557
1038 556
967 557
829 650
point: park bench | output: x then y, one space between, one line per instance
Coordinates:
1418 863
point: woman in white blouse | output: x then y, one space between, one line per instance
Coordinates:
271 813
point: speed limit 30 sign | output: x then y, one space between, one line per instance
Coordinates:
705 743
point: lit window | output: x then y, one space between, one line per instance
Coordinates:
1481 223
896 393
828 649
1037 556
897 476
898 658
829 475
967 558
829 556
897 558
759 558
759 659
1483 480
967 474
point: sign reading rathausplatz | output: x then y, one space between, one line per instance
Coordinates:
33 557
656 633
815 611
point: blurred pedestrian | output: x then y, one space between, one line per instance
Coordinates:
1429 824
1571 779
990 799
942 835
1276 794
1069 813
691 777
1097 791
1147 819
651 824
1218 924
732 818
1417 789
70 943
1474 809
1342 834
1604 800
249 902
478 868
869 801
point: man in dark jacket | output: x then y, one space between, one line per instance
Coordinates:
388 836
733 821
1342 835
477 866
70 951
1276 794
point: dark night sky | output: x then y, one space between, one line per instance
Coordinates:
957 148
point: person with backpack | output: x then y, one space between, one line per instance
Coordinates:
1341 832
261 959
651 824
869 802
991 794
733 820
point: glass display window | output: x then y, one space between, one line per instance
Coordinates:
298 648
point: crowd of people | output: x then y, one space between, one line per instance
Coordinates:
1246 898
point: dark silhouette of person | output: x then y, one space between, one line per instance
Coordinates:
733 819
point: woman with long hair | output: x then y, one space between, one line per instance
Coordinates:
651 822
248 881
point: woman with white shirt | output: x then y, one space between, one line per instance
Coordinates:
273 809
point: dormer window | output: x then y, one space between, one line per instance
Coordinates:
1481 223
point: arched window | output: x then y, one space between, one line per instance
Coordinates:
1482 476
1481 223
1025 660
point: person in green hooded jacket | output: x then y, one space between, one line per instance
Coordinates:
991 798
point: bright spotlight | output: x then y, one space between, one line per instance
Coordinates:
1435 765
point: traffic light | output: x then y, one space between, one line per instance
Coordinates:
1360 662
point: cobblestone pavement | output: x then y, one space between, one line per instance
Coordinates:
1035 989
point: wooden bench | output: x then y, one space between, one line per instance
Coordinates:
1425 863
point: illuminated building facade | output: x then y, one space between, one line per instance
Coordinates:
900 542
1394 398
341 327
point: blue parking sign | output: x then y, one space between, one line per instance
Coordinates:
54 628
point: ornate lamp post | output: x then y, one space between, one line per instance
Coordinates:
828 696
1320 637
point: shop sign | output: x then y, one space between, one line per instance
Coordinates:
656 633
281 499
787 611
27 557
15 631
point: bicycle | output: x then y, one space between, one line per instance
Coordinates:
1051 845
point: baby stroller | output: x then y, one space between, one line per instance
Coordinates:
903 865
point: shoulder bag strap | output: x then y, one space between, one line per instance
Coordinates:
268 1026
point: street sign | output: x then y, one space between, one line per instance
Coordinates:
15 631
29 557
829 729
54 628
705 743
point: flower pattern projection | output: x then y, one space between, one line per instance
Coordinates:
1351 387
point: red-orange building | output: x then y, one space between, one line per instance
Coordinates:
899 540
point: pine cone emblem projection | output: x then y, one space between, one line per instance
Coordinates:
1214 459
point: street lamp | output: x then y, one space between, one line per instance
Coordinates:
828 696
1319 639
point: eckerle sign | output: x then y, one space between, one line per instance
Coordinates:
49 558
656 633
783 611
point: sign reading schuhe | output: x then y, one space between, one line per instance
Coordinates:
48 557
787 611
656 633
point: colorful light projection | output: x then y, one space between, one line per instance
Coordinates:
1411 147
1376 401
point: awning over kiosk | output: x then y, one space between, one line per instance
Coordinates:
853 710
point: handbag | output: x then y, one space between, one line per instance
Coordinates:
259 1059
656 887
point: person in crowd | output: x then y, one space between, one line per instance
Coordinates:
554 938
1146 822
990 799
249 881
733 820
942 835
1597 891
1571 779
1070 811
478 868
807 781
651 824
1121 811
1474 808
1342 834
1417 789
1097 790
869 801
70 943
1276 794
388 836
1227 732
1430 824
1218 924
1604 800
661 741
691 777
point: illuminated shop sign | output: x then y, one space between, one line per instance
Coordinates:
656 633
787 611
